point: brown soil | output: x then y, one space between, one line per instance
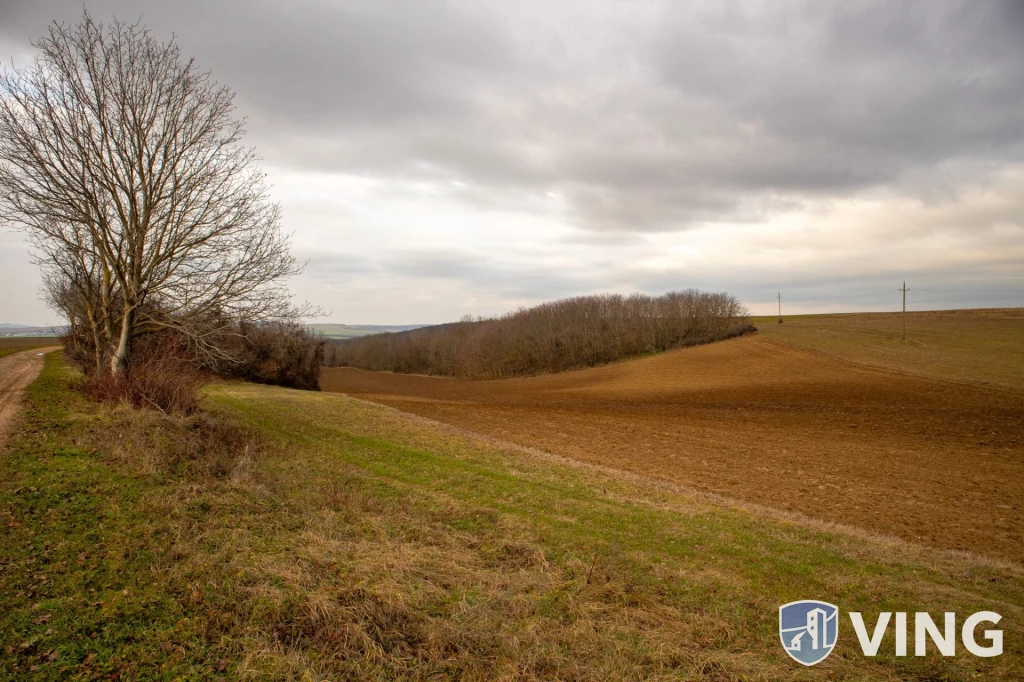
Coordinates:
16 372
939 463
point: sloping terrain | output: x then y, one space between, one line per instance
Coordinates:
935 462
293 535
984 347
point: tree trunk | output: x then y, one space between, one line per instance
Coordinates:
97 343
121 359
105 311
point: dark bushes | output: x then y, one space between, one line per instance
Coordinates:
166 372
164 375
279 353
566 334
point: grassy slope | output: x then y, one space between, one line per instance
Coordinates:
978 346
359 543
16 344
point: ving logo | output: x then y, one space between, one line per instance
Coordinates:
808 630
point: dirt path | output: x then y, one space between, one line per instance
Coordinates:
935 462
16 372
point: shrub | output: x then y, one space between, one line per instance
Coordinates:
164 375
166 372
279 353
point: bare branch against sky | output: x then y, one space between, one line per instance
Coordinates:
124 165
441 158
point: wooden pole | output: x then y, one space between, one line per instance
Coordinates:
780 307
904 290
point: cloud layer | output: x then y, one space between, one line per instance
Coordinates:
438 158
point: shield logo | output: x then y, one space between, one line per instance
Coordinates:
808 630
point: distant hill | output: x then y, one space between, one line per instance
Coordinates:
8 329
349 331
331 331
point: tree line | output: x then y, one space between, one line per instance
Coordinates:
570 333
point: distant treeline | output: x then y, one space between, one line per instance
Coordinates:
567 334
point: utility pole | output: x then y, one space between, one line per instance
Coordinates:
904 290
780 307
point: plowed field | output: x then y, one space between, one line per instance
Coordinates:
935 462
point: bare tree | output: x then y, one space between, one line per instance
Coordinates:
124 163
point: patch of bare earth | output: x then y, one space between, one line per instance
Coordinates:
935 462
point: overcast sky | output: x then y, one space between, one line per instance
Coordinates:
435 159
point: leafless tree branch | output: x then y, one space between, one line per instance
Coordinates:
125 164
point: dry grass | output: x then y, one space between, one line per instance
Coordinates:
197 447
297 536
974 346
493 564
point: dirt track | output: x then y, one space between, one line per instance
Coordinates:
935 462
16 372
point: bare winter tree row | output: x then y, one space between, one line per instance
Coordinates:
565 334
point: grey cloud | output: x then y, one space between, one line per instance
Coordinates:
335 267
510 279
635 118
351 65
646 118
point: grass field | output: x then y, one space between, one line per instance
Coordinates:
17 344
312 536
977 346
